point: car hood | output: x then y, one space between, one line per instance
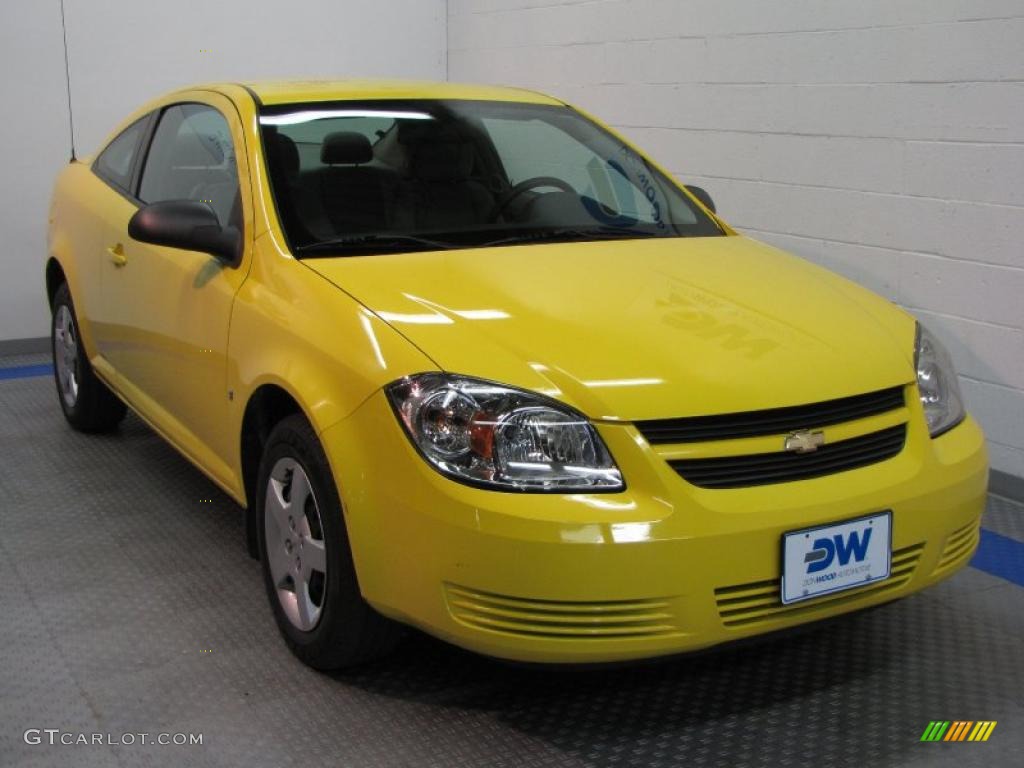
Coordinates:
640 329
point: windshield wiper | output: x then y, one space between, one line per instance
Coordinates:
375 241
573 233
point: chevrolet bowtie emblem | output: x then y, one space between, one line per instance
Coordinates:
804 441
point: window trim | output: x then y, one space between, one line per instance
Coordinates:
147 141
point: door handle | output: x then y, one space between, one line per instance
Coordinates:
117 255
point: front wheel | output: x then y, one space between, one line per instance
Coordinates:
88 405
307 561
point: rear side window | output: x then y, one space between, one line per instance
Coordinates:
192 157
115 163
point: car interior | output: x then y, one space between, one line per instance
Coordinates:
412 176
408 179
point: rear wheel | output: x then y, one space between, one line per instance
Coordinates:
87 403
307 562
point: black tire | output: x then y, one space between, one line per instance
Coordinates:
92 407
348 631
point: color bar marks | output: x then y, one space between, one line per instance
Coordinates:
958 730
935 730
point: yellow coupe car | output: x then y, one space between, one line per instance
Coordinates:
474 363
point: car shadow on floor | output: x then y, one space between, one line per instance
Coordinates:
724 707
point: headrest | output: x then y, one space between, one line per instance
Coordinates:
285 154
449 160
346 148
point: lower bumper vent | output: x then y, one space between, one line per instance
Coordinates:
560 619
760 601
960 545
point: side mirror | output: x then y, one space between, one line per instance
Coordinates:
186 224
702 195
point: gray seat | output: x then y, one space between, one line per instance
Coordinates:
195 167
355 197
299 205
442 193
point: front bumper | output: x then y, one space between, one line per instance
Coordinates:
660 568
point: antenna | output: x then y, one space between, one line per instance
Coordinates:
67 80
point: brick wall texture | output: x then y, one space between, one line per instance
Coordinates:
883 139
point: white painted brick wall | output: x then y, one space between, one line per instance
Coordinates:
883 139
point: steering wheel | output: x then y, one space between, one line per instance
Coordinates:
526 185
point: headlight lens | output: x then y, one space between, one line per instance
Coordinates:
937 383
487 434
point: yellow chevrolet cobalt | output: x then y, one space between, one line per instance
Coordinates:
473 363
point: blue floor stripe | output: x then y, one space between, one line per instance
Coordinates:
26 371
1000 556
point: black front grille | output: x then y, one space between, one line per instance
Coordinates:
783 467
774 421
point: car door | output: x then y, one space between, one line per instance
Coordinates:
111 200
168 308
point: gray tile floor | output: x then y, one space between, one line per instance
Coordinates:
131 607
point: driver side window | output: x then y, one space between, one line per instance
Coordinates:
192 157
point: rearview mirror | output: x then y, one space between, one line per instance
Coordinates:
702 195
186 224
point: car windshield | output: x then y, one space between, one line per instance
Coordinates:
378 176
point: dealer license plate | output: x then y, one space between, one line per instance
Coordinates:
830 558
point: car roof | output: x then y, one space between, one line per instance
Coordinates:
271 92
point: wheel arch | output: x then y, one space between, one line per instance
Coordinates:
61 268
54 277
267 406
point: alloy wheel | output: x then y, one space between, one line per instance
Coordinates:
296 552
65 353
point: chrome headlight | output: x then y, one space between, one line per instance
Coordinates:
486 434
937 383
